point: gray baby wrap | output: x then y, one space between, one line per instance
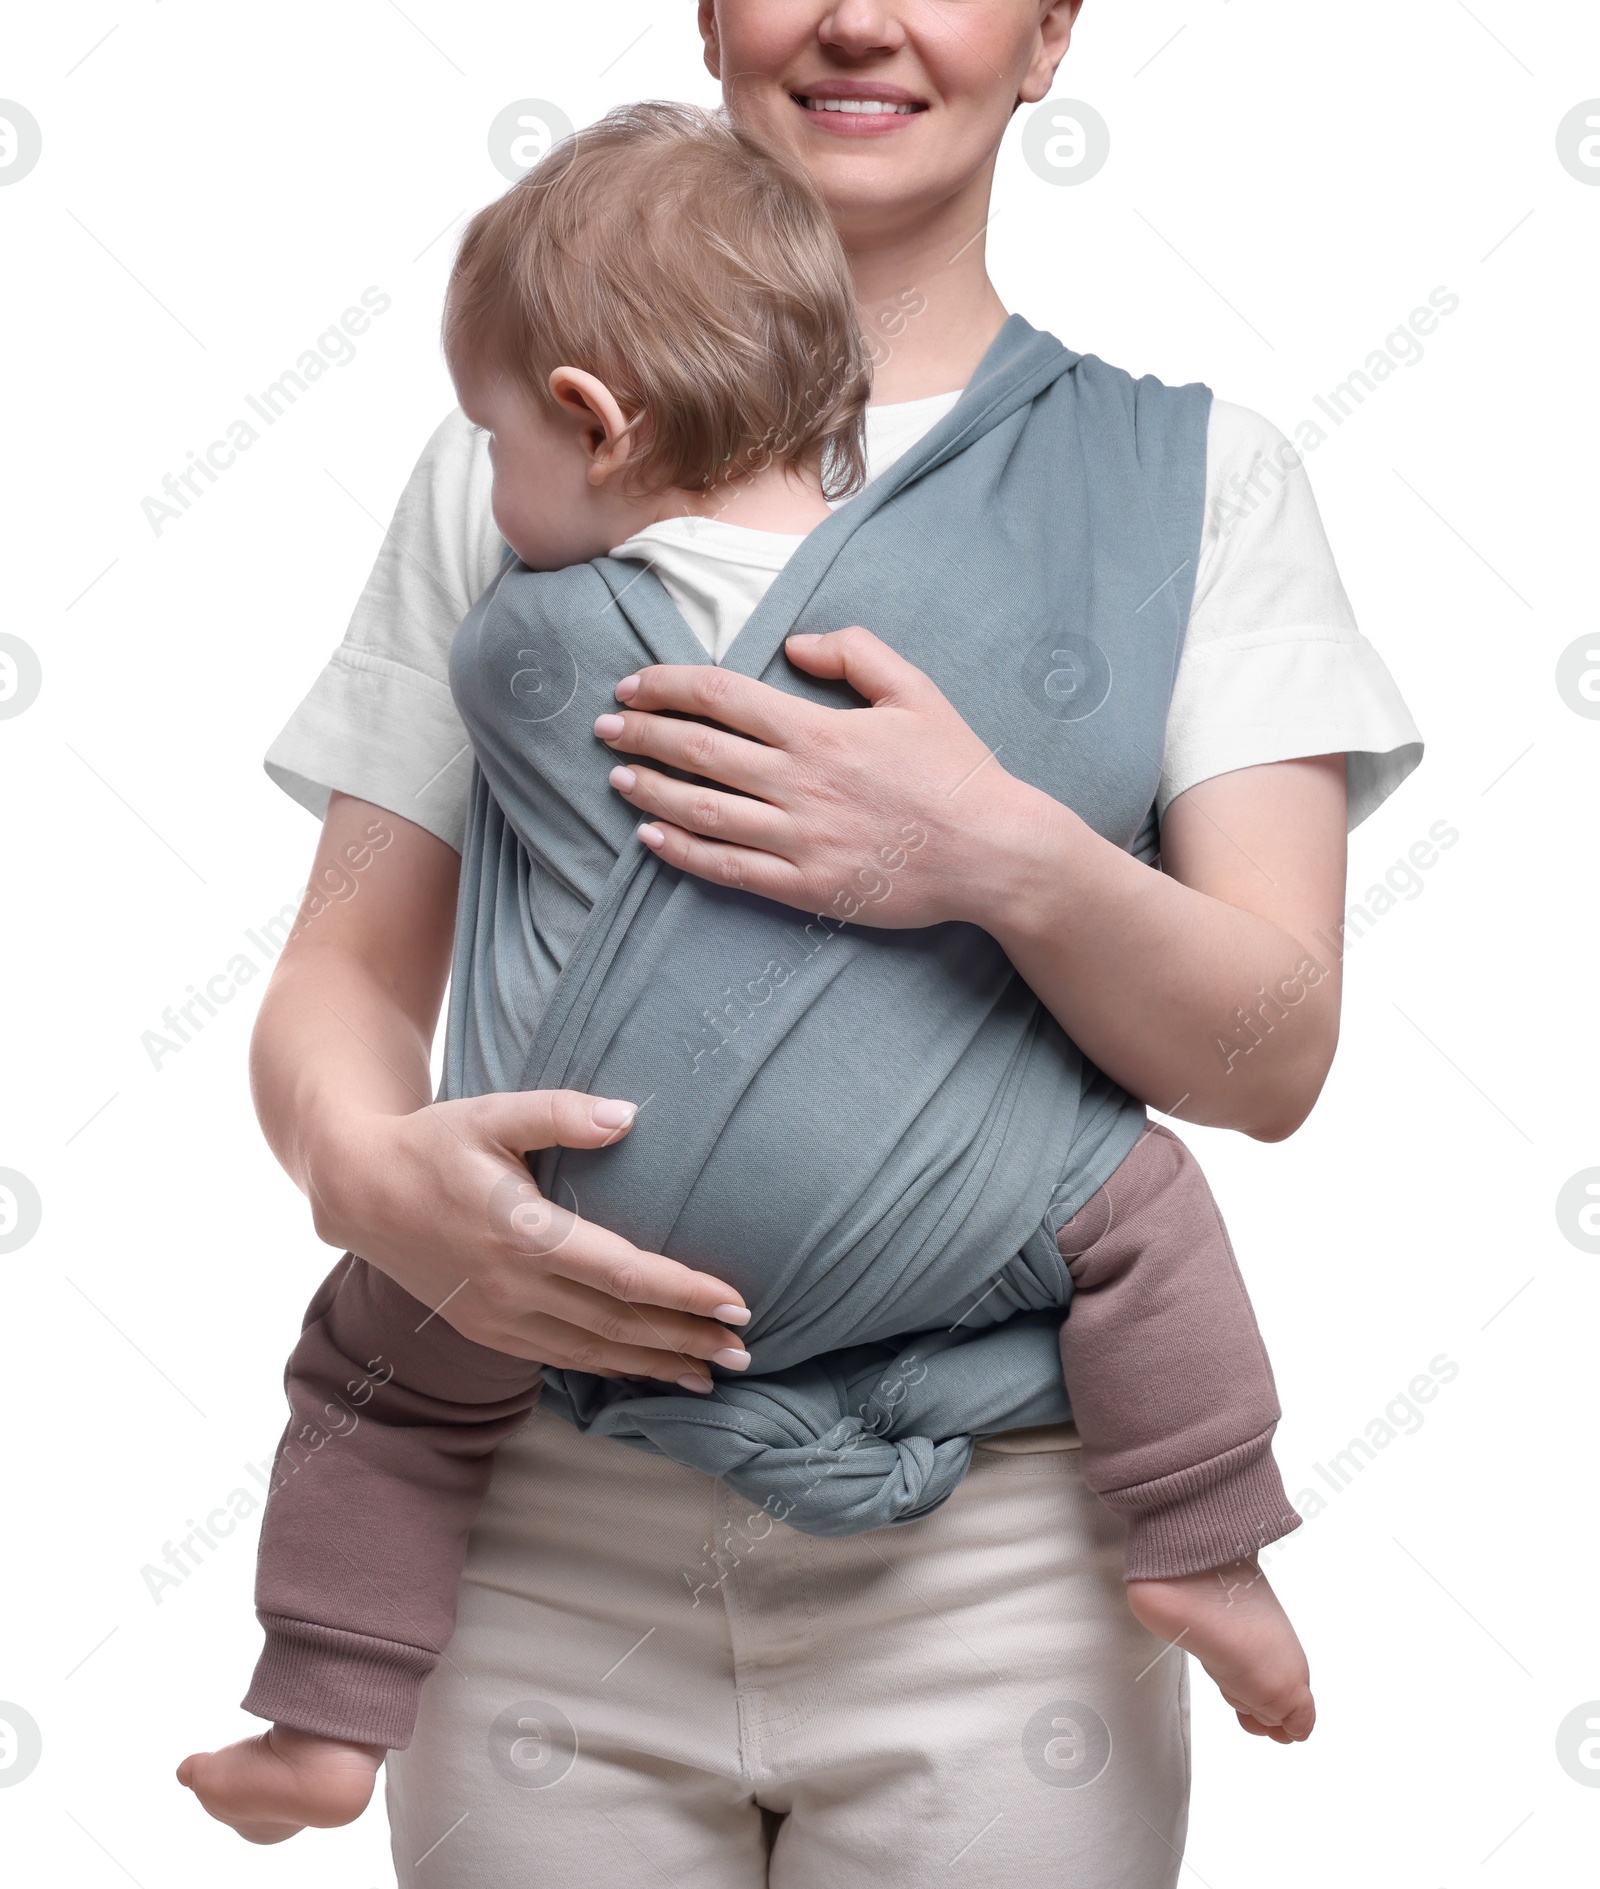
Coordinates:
873 1135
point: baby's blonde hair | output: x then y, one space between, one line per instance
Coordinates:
694 269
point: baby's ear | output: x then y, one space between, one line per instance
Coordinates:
607 431
588 397
576 391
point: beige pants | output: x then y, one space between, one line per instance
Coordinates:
649 1684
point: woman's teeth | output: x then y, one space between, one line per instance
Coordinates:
868 106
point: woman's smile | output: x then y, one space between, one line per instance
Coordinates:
858 108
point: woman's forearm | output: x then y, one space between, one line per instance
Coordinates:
331 1045
345 1028
1218 1006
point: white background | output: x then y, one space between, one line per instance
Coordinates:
1286 182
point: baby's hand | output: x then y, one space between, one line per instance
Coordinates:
272 1786
1234 1624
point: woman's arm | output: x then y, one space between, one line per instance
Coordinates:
1201 989
437 1195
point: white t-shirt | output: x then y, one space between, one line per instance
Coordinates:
1273 666
714 572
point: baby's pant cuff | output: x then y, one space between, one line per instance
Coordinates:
338 1684
1205 1516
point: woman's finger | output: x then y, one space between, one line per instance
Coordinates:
552 1341
771 716
525 1119
595 1318
711 752
877 673
643 1289
733 818
601 1285
604 1320
744 868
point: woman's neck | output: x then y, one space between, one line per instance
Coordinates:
928 307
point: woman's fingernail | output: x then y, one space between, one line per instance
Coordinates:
613 1114
731 1314
652 835
608 727
694 1384
624 779
730 1359
627 688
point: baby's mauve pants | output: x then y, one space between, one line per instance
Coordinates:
396 1418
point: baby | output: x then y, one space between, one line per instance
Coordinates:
656 327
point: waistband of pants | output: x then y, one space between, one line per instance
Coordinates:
1045 1436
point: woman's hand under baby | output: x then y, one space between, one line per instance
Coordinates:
525 1276
273 1786
1234 1624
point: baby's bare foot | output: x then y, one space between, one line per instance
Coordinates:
272 1786
1234 1624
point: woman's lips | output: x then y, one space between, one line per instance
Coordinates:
858 117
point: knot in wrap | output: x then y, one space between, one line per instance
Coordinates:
846 1442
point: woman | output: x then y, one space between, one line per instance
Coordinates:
646 1679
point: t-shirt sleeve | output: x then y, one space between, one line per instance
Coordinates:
1273 667
379 721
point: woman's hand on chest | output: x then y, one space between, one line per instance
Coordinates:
892 815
